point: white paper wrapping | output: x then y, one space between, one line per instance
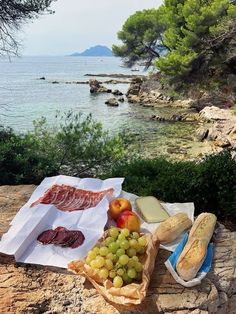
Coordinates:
21 239
29 223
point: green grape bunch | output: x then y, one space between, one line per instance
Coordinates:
118 257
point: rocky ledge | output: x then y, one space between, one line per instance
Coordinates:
34 289
148 91
222 131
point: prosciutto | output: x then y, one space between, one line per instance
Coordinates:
62 237
68 198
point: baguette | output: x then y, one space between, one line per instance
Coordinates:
203 226
171 228
195 250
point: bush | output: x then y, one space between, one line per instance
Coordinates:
210 184
72 146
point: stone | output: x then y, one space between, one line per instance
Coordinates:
121 99
213 134
201 134
213 113
133 99
112 102
223 129
96 87
176 117
157 118
37 289
133 90
210 98
222 142
116 92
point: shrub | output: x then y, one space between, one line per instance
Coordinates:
210 184
72 145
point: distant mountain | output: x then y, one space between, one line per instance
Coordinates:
96 51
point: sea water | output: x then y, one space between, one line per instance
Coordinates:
24 97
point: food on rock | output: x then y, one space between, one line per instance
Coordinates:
151 209
68 198
62 237
172 227
119 260
129 220
117 206
195 250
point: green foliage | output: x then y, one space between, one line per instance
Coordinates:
198 37
190 26
141 35
73 145
210 184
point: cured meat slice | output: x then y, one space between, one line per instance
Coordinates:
63 237
47 236
79 241
48 196
61 196
67 198
74 235
60 228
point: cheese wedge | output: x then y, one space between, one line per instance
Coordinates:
151 209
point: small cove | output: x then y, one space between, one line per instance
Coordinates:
24 98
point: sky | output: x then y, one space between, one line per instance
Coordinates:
78 25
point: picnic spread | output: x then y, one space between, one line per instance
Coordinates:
109 236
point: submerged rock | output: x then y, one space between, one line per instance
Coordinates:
116 92
112 102
121 99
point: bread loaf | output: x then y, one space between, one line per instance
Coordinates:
171 228
195 250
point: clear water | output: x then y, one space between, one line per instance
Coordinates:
24 98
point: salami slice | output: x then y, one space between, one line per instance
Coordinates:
79 241
73 237
62 237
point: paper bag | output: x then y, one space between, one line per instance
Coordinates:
127 295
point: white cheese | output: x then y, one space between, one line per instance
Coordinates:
151 209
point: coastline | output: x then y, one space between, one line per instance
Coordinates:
214 125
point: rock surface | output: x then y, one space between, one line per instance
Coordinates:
112 102
223 130
96 87
34 289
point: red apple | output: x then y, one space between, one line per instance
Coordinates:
129 220
117 206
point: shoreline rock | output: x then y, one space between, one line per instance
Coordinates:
222 132
97 87
112 102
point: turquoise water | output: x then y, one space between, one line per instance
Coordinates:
24 98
